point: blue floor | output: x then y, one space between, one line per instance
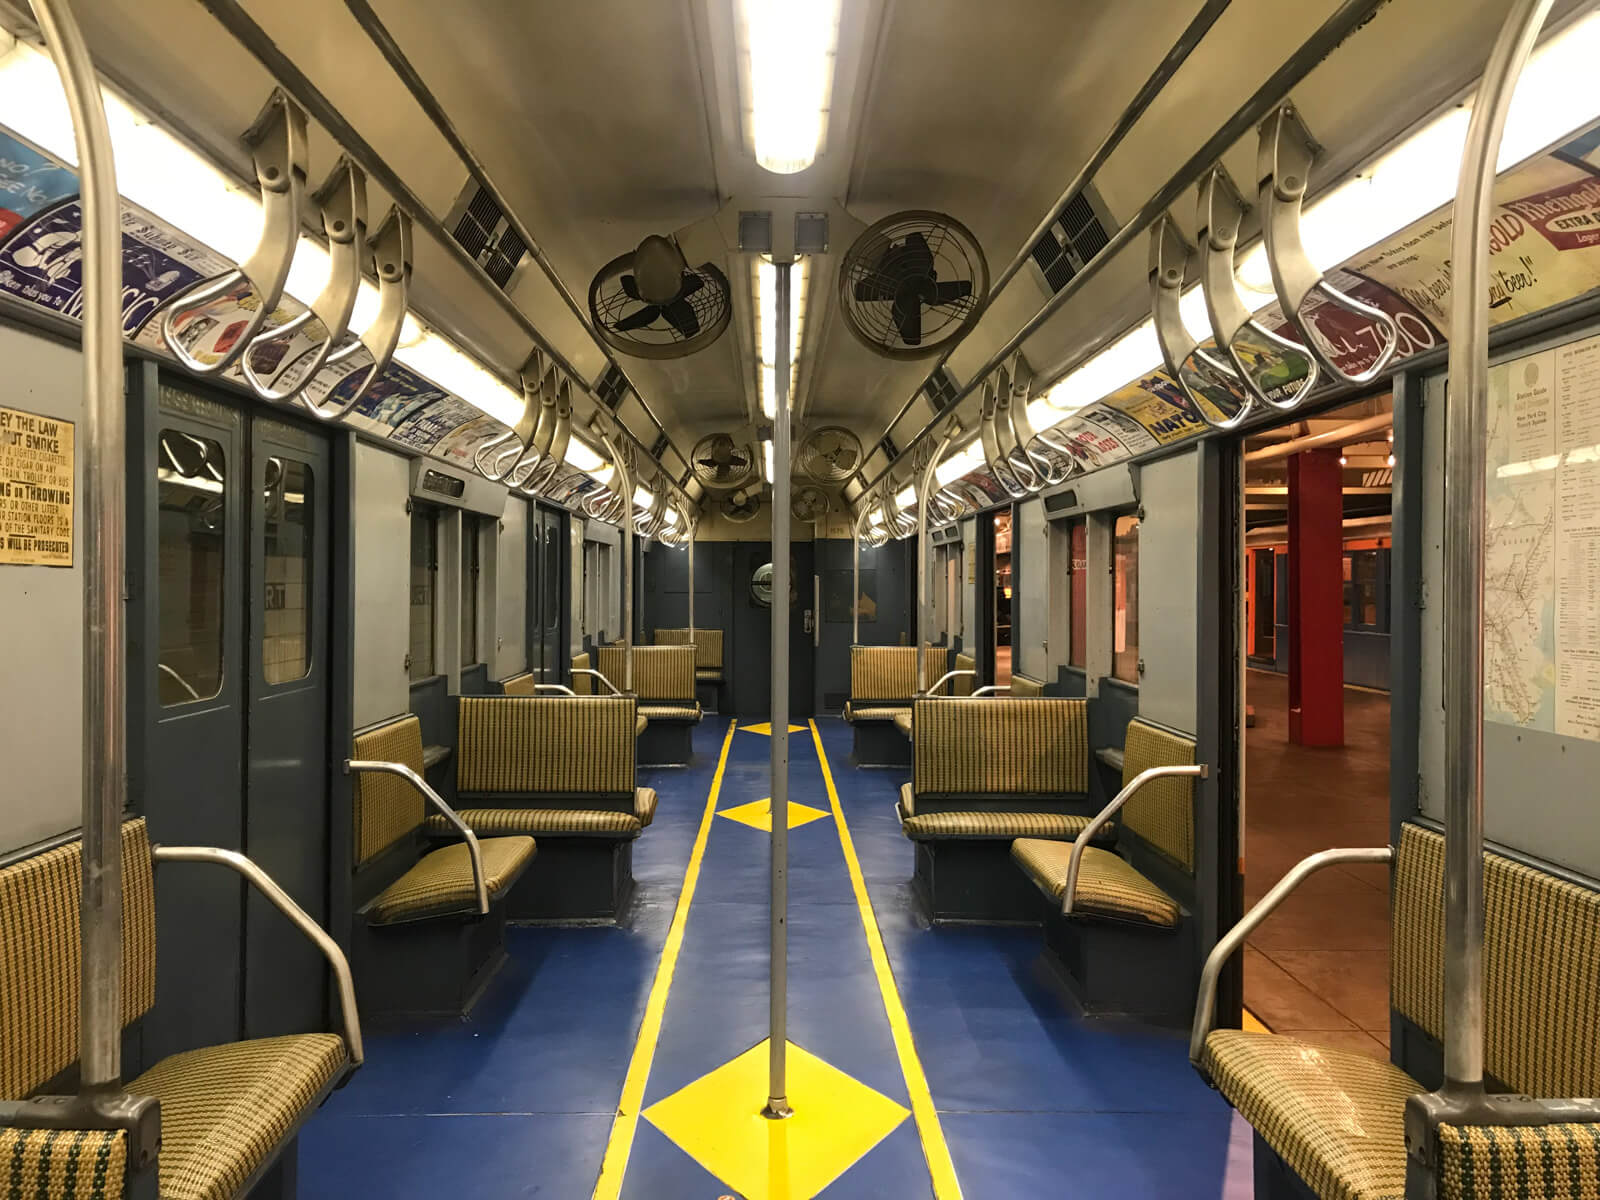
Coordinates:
519 1100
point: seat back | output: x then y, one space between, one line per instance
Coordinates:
963 685
659 672
707 645
387 808
1000 747
520 685
558 745
885 673
1162 812
584 685
40 957
1541 966
1026 686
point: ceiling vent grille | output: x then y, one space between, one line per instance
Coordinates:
613 386
659 447
481 229
1081 232
941 389
890 450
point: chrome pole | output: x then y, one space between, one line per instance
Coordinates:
692 525
855 571
924 491
105 785
1465 457
778 1038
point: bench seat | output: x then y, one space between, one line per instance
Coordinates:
225 1108
902 722
871 711
441 882
1108 885
649 711
1336 1116
554 822
708 674
1006 826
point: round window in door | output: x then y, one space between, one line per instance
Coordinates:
761 585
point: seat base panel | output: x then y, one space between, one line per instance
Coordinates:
878 744
667 744
434 968
974 882
1123 969
578 880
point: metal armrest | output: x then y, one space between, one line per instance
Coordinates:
353 765
301 919
948 675
588 671
992 689
560 689
1193 771
1205 1006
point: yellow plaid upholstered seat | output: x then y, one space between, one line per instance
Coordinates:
519 685
1001 747
224 1108
553 745
669 712
584 685
707 650
963 685
663 673
1026 687
902 722
441 882
541 822
994 825
1559 1162
1108 886
64 1164
875 712
1161 812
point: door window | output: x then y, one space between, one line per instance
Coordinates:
1125 630
471 564
424 576
191 478
287 506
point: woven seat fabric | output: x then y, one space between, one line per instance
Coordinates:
1007 825
519 685
40 957
874 712
441 882
1028 689
1550 1162
708 674
387 807
660 673
1108 886
644 804
964 685
1161 812
669 712
558 744
538 822
63 1164
225 1108
908 800
583 685
902 722
1000 747
640 724
1336 1117
707 645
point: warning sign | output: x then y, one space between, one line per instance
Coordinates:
35 490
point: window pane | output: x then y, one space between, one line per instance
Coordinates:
1125 632
552 575
1078 571
286 557
424 568
191 479
470 562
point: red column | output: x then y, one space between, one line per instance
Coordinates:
1316 599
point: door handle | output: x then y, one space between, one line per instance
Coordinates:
810 624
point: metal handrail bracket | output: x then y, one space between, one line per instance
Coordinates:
298 916
1098 821
559 689
354 766
932 692
391 259
279 149
1172 263
1206 1002
615 691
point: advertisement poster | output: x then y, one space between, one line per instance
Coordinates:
36 490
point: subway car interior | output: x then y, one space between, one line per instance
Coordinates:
768 599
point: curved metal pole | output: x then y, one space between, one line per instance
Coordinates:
105 785
354 766
693 525
924 492
1465 455
1097 822
855 571
302 921
778 1000
1205 1007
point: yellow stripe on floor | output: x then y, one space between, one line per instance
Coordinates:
620 1144
941 1168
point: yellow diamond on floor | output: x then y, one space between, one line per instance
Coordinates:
758 814
766 728
717 1121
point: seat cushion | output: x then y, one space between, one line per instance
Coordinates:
640 724
669 712
60 1164
225 1108
644 805
1108 886
441 882
1336 1117
902 722
1555 1162
933 826
539 822
708 674
875 712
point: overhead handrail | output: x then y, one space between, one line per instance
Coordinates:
302 920
1097 822
1172 264
1284 158
1229 943
355 766
279 150
391 258
1221 211
342 202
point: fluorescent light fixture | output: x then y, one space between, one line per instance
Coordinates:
960 463
789 47
766 296
766 458
165 177
905 497
1129 356
582 456
642 497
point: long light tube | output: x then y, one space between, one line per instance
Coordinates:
766 328
790 46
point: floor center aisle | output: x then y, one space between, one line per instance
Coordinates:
689 1127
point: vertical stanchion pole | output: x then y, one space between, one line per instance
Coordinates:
627 576
692 525
855 572
924 494
777 1088
1466 424
105 784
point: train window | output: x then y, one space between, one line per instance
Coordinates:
952 584
1125 629
286 571
471 564
1361 589
424 589
191 477
1078 594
